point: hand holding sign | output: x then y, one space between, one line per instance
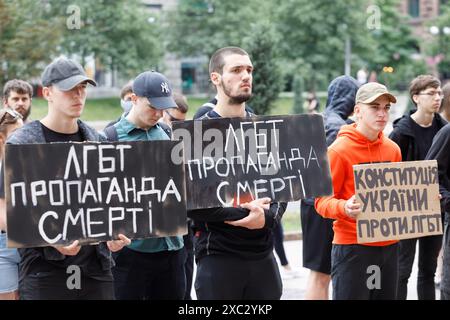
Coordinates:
352 207
255 218
116 245
398 200
70 250
263 203
91 192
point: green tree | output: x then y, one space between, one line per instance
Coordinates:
200 27
314 35
393 43
298 94
118 34
27 38
440 43
262 46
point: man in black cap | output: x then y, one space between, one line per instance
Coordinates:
43 271
149 269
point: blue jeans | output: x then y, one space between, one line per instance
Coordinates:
9 267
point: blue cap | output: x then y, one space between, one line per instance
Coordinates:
156 88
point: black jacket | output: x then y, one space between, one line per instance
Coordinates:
214 236
32 133
403 135
440 150
340 104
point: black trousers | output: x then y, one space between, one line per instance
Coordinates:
317 239
278 239
149 276
445 281
429 248
188 240
364 272
53 286
232 278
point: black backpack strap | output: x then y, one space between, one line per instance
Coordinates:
166 128
111 133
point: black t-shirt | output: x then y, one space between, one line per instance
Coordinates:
53 136
33 258
424 137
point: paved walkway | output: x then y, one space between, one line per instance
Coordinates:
294 284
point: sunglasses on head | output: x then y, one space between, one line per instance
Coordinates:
171 117
10 116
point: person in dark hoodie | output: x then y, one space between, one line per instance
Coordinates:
414 134
317 231
439 151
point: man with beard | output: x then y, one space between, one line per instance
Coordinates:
234 246
17 95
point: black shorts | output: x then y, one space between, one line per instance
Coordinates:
317 239
362 272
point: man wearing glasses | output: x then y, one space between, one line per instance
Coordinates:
414 135
178 113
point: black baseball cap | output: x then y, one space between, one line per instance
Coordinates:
65 74
156 88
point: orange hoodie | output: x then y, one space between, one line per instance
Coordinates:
351 147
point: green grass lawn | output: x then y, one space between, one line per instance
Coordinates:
95 109
108 109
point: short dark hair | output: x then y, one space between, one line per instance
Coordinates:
422 82
445 103
181 102
128 88
218 58
19 86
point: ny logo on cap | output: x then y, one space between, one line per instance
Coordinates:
165 87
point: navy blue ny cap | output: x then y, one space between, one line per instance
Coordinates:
156 88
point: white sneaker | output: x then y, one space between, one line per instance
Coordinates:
288 273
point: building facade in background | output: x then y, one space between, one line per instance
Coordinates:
421 12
